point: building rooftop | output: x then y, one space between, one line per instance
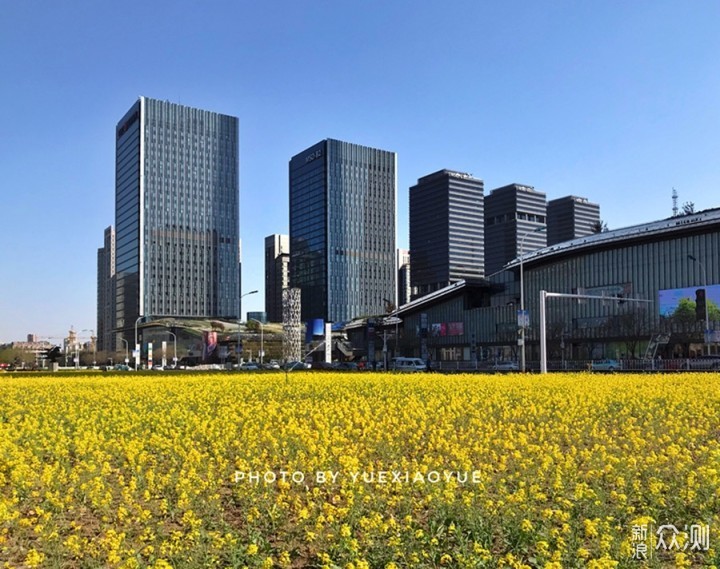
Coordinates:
681 223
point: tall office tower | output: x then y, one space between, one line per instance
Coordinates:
515 217
571 217
176 213
446 230
342 229
106 293
277 274
404 294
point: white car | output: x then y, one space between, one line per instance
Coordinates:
409 364
505 366
605 365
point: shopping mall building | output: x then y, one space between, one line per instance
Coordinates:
654 284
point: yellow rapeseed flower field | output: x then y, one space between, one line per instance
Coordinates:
359 471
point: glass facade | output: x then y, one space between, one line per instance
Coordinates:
277 274
176 213
106 293
342 229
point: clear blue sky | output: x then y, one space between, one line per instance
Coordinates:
611 100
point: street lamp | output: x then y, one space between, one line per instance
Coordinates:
174 348
262 345
707 315
239 319
127 351
137 346
522 294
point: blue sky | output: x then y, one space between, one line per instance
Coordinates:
614 101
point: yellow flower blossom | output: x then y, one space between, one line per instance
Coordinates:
143 469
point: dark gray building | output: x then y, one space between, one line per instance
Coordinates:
571 217
671 265
515 218
277 274
342 229
176 214
106 293
446 230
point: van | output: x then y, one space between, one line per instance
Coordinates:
408 364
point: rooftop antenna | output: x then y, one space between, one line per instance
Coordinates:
675 202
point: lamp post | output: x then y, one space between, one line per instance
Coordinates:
239 319
127 351
262 344
522 294
174 348
707 314
137 346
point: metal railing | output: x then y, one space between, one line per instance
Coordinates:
708 363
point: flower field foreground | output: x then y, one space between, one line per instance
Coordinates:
360 471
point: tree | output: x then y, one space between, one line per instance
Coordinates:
16 357
688 208
633 326
685 311
599 226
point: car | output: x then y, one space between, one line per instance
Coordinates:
505 366
249 366
705 362
605 365
121 367
296 365
408 364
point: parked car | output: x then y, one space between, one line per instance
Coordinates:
296 366
705 362
343 366
272 364
409 364
505 366
605 365
249 366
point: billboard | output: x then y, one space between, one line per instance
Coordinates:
315 328
439 329
670 300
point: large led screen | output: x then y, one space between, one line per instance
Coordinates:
669 300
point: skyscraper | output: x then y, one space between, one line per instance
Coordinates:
514 218
342 229
404 290
446 230
176 213
277 274
106 293
571 217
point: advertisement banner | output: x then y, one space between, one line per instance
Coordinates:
209 344
675 301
